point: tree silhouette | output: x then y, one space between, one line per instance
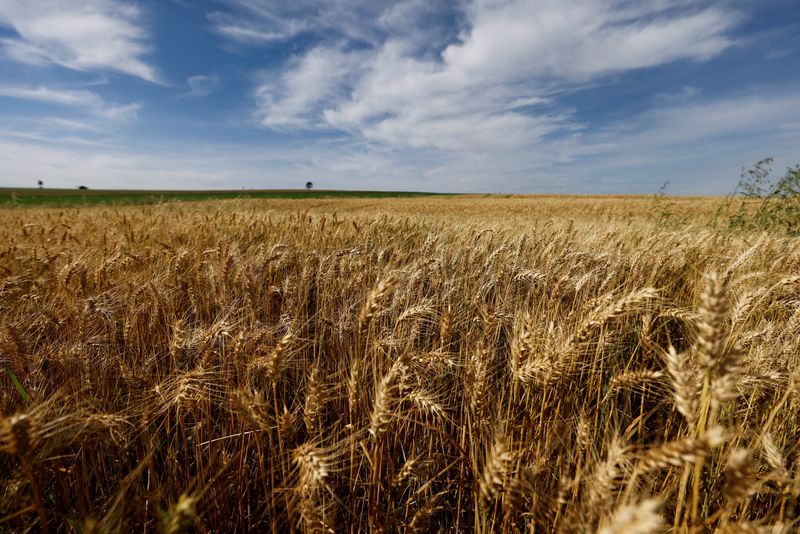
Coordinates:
40 184
309 186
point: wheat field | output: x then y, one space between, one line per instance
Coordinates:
447 364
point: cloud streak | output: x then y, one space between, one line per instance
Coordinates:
202 85
72 98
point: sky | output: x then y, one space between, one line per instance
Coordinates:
482 96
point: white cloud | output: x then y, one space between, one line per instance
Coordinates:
486 90
408 99
297 97
246 31
72 98
581 39
90 35
202 85
700 148
121 112
60 163
62 124
741 116
686 93
253 22
52 96
479 98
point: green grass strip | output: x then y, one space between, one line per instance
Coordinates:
19 387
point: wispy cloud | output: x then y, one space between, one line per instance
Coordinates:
104 35
201 85
254 22
72 98
633 156
244 31
307 87
62 124
686 93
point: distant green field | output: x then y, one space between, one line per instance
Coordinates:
73 197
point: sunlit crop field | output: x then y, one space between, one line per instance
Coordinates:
438 364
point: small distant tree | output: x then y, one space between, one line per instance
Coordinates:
309 186
40 184
82 187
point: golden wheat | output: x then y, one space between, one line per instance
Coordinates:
454 364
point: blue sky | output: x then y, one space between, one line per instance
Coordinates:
512 96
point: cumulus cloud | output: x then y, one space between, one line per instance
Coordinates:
104 35
454 93
485 87
583 39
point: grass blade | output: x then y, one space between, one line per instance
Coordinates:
20 389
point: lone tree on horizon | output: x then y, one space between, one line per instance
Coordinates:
40 184
309 186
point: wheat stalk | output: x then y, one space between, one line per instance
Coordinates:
638 518
495 469
686 384
374 301
679 453
180 517
313 402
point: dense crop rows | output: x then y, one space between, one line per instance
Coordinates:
229 367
